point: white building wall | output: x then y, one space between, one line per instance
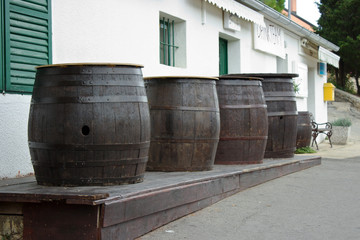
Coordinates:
320 104
312 98
254 61
315 104
128 32
120 32
14 151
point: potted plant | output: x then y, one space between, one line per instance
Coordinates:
340 131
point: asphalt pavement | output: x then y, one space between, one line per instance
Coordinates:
322 202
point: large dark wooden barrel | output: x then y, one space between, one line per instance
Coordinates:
185 123
89 124
282 113
243 120
304 129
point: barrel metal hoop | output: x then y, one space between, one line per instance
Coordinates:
279 94
289 113
92 147
89 99
120 162
184 108
239 83
174 140
175 81
277 80
282 99
243 106
121 83
89 70
243 138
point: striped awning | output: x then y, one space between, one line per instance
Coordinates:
239 10
325 55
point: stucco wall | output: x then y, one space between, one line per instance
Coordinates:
312 99
14 154
128 32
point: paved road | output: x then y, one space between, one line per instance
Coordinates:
318 203
322 202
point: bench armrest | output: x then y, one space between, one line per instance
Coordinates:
315 125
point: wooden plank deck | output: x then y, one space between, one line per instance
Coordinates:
129 211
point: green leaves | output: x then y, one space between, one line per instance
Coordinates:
305 150
278 5
340 24
343 122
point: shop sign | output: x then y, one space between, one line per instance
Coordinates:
269 39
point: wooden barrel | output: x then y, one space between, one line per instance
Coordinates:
243 120
282 113
185 123
304 129
89 124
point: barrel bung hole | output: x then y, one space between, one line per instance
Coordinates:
85 130
281 117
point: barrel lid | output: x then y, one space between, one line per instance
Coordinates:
181 77
64 65
266 75
303 112
238 77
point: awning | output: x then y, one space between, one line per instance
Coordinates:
240 10
328 57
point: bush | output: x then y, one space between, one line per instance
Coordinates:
349 87
343 122
305 150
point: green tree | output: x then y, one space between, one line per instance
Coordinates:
278 5
340 23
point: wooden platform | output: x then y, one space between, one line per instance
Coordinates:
129 211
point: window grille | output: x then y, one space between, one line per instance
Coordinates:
167 42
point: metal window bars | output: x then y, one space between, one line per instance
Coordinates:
167 42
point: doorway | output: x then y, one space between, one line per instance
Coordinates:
223 56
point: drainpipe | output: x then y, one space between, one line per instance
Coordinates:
289 9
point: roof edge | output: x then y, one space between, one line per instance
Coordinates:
288 24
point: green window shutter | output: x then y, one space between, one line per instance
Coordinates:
27 41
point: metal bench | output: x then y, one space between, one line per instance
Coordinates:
325 128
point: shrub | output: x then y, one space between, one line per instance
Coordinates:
296 87
305 150
349 86
343 122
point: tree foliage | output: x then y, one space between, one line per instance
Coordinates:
340 24
278 5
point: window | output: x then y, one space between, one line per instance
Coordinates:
172 41
167 42
25 42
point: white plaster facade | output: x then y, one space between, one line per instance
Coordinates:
125 31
